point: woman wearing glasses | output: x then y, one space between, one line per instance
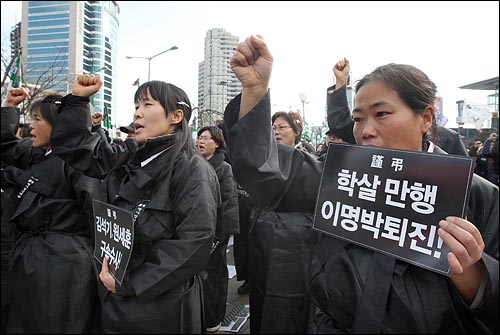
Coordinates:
288 127
211 145
174 195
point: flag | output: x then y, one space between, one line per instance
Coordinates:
306 136
107 117
136 83
15 76
441 119
476 113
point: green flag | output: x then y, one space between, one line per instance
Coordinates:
15 74
107 117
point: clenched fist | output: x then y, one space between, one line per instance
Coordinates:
15 96
86 84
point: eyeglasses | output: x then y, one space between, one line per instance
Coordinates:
281 127
204 138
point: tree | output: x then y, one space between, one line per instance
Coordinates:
47 79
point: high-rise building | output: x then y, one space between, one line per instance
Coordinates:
217 84
61 39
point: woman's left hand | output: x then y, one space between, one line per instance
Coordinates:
466 248
465 242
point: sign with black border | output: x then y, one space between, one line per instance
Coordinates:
392 200
114 237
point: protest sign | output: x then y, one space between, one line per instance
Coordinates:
114 237
392 200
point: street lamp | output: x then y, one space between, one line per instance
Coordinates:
303 99
150 58
224 84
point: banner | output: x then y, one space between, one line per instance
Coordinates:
476 113
107 117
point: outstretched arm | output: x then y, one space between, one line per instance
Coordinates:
338 113
71 137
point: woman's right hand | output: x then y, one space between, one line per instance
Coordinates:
86 85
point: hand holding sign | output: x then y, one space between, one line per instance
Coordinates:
107 279
465 242
380 199
466 248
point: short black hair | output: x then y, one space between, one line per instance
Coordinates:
47 107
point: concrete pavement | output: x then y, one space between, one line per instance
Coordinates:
232 292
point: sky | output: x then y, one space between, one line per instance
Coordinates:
454 43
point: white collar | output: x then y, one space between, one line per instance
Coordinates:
431 147
147 161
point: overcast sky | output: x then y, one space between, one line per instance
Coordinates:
455 43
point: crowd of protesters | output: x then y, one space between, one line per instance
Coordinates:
252 177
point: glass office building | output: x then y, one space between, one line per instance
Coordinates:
61 39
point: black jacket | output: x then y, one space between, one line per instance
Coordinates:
161 291
215 286
340 269
419 301
282 182
228 224
49 213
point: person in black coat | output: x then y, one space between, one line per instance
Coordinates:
48 215
171 190
467 301
241 245
494 153
280 232
340 117
211 144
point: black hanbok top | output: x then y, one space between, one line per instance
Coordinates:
284 183
177 197
48 214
